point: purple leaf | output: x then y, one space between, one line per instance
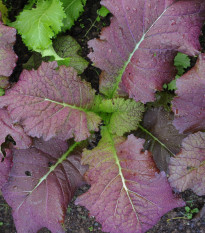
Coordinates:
127 193
187 169
51 102
158 122
7 56
5 167
42 182
20 138
14 130
189 105
138 48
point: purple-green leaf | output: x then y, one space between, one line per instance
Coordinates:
189 105
51 102
41 183
187 169
7 56
137 50
127 193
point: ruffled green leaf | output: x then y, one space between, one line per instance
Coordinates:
126 114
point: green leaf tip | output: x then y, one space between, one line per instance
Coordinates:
39 25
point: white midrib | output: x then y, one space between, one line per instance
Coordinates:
51 169
119 78
124 186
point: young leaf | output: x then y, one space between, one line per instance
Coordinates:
40 188
162 138
103 12
127 194
67 47
7 56
126 114
181 62
38 25
73 9
189 105
137 50
50 102
187 169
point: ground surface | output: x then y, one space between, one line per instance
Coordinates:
77 218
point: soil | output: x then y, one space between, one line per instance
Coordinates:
77 218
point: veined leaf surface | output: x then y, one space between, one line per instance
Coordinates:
73 9
187 169
137 50
50 102
189 105
127 193
40 188
7 56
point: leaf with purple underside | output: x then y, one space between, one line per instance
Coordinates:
51 102
162 138
40 188
187 169
189 105
7 56
137 50
127 193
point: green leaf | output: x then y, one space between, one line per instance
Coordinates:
126 114
38 25
181 62
103 12
2 91
4 13
187 208
67 47
73 9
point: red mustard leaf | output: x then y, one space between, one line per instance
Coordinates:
7 56
166 139
21 141
189 105
40 188
139 46
5 167
14 130
50 102
127 193
187 169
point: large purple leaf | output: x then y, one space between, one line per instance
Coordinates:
187 169
7 56
138 48
127 193
189 105
14 130
42 182
50 102
21 141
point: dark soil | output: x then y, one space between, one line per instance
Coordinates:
77 218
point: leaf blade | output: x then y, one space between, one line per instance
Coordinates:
121 200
